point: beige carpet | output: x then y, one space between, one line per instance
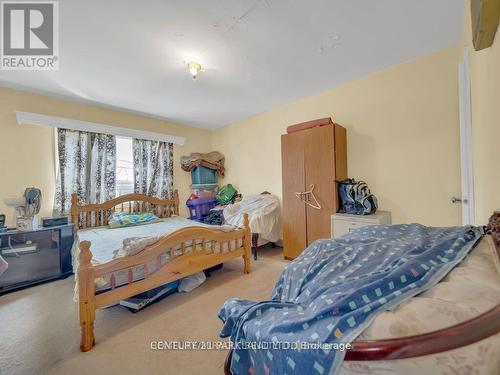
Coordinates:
39 330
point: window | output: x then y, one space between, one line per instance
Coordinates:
124 166
99 166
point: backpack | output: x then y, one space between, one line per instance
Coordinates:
356 198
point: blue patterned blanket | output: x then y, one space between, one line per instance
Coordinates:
328 295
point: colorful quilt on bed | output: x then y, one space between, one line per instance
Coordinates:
328 295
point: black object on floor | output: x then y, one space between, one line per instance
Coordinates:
142 300
255 244
212 269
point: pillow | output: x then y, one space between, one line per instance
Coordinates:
123 219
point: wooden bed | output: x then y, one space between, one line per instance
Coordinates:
237 243
447 339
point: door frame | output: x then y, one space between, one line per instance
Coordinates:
465 117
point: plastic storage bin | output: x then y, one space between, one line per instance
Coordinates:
203 175
200 188
200 207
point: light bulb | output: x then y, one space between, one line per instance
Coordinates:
194 69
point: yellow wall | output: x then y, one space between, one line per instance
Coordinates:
27 152
402 134
403 137
485 93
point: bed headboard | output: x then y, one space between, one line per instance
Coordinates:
94 215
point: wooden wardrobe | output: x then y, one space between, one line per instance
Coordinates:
315 156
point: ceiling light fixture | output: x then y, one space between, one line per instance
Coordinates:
194 69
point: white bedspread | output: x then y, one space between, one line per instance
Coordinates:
107 244
105 241
264 215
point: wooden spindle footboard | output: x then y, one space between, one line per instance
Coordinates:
177 255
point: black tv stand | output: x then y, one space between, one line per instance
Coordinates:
35 256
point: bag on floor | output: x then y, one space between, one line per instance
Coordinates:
356 198
191 282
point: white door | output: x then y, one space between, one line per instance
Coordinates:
467 198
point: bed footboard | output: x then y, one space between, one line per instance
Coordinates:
86 296
180 254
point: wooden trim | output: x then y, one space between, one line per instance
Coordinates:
449 338
65 123
224 246
93 215
180 236
74 209
86 296
180 267
177 268
247 244
176 202
485 16
309 125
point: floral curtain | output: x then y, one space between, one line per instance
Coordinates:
87 166
72 147
153 168
102 167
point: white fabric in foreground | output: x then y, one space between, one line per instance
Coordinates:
264 215
191 282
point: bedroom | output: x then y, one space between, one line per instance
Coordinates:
420 113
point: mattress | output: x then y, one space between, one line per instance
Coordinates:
470 289
108 244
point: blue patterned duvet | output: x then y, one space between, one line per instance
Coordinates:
333 290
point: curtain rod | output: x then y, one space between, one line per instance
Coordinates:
27 118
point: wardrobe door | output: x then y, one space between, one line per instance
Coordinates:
340 159
293 177
320 171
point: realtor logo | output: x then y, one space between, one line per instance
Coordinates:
29 35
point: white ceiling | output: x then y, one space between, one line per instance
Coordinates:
258 54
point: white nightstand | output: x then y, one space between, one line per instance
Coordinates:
344 223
